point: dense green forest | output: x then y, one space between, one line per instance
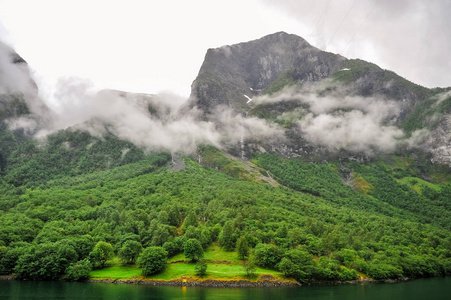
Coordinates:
68 206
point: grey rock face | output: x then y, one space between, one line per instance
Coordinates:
18 90
231 75
230 72
439 141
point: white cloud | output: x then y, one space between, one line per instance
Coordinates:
136 45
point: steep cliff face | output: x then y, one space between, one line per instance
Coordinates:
440 141
317 98
231 72
18 90
439 138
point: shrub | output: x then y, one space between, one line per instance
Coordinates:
267 256
249 267
201 268
79 270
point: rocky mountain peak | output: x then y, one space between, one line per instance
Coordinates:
230 72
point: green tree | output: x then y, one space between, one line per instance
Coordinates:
130 251
174 215
282 231
226 236
191 232
297 264
267 255
201 268
152 260
159 236
190 220
242 247
102 252
287 267
249 267
171 248
9 259
163 217
205 237
45 261
79 270
193 250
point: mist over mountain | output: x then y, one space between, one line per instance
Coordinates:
275 94
324 102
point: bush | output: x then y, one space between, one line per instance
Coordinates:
152 260
347 274
384 271
298 264
201 268
79 270
249 267
267 256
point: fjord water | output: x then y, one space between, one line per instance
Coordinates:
433 288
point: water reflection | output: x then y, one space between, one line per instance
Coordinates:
434 288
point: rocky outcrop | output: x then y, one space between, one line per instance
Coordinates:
18 90
439 141
231 72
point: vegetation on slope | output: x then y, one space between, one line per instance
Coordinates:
427 114
315 227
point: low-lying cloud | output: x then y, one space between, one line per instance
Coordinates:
338 121
152 122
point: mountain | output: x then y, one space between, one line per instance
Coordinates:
308 92
311 166
230 72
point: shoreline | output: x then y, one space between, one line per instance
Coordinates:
264 281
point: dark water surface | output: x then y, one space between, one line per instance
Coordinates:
429 289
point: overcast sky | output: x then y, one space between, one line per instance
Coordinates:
153 46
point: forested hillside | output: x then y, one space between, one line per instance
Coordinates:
334 221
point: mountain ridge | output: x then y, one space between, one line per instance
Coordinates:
233 77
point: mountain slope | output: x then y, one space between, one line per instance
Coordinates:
281 78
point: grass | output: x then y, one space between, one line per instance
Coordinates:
216 253
214 271
223 265
177 270
212 253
